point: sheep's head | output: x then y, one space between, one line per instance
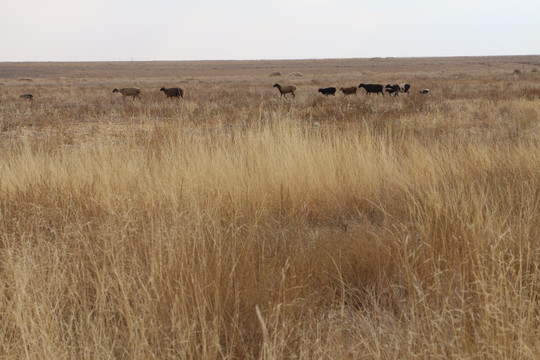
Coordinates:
276 85
162 89
115 90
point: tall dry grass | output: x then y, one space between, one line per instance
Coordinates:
237 225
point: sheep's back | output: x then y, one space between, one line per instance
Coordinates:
349 90
130 91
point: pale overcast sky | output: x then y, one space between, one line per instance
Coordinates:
111 30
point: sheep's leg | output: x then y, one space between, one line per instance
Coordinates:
293 94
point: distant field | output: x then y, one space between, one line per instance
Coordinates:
233 224
181 69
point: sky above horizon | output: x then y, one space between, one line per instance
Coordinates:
142 30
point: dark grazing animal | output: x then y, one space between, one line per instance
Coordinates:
173 92
392 89
348 90
424 91
404 88
328 91
286 89
27 96
397 88
372 88
134 92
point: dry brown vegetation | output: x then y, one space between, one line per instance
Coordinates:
238 225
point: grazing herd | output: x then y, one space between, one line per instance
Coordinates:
176 92
290 89
372 89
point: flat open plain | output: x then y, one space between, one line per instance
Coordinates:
235 224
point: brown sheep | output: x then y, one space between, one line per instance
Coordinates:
134 92
348 90
173 92
286 89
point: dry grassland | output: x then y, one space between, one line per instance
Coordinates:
238 225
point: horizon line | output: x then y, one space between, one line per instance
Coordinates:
263 59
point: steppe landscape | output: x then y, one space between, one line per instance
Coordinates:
235 224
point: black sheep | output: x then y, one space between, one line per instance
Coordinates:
328 91
392 89
372 88
405 88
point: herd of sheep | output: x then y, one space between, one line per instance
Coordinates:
372 88
283 90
